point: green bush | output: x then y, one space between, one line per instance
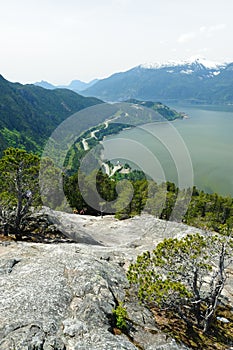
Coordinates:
185 276
120 314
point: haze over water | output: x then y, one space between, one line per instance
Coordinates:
208 136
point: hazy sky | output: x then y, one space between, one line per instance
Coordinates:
62 40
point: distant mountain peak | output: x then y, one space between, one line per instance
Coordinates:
44 84
75 85
201 62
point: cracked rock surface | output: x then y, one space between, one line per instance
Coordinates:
61 296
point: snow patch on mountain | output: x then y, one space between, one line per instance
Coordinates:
187 71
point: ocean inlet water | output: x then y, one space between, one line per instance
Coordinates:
207 135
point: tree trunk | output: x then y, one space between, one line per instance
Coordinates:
6 229
197 306
221 278
18 215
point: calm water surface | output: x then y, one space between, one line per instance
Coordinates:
208 136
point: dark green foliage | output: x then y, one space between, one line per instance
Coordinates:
95 181
207 211
106 188
51 184
161 109
113 128
133 175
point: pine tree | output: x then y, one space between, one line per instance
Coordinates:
19 188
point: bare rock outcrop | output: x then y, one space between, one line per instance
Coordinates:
62 296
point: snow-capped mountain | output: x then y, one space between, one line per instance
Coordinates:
195 80
200 66
202 63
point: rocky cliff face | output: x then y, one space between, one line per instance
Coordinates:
61 296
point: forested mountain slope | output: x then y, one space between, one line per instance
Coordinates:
29 114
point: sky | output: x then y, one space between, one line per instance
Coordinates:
63 40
